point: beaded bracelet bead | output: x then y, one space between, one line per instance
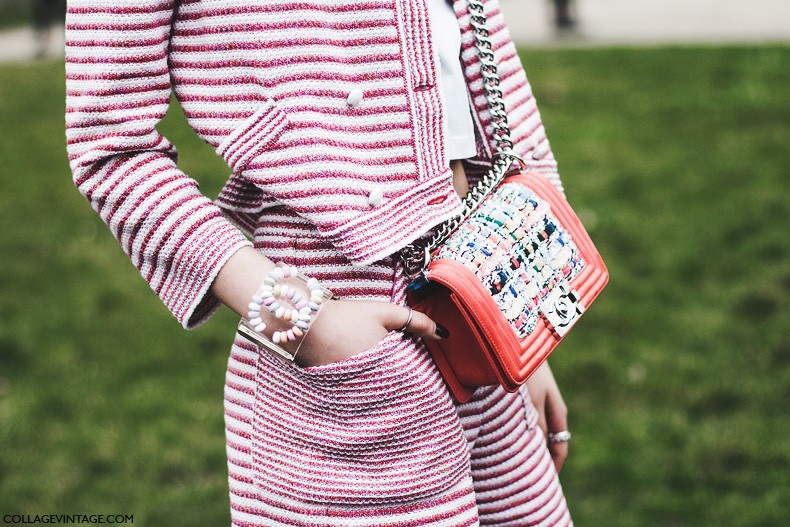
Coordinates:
287 303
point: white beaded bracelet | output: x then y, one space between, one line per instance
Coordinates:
287 303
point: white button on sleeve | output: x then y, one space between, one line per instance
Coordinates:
355 97
375 197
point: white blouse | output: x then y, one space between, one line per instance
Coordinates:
446 32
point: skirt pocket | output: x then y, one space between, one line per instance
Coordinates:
351 366
376 427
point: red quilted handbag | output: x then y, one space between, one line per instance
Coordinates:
510 298
511 275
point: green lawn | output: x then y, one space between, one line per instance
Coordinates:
677 381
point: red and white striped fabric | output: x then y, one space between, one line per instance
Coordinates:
328 114
316 105
512 481
375 439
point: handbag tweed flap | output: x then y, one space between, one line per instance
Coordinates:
508 284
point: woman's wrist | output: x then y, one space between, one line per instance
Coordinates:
283 309
344 327
238 279
277 306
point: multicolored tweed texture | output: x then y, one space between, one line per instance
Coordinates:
518 250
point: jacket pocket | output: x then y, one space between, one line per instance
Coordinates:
253 135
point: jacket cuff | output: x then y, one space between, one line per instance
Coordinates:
186 289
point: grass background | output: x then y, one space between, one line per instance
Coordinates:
677 381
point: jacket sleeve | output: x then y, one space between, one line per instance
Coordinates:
117 90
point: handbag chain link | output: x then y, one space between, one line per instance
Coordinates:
415 256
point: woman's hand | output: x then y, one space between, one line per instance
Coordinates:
553 414
344 328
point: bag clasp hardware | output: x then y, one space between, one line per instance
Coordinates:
562 308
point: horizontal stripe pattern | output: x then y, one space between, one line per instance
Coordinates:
118 88
514 478
387 429
493 464
514 481
266 83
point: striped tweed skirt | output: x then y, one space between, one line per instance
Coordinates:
374 439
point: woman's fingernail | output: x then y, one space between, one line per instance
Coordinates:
442 332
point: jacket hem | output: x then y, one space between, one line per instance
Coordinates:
386 230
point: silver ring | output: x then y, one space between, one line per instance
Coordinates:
408 321
560 437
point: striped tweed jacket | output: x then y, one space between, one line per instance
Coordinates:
330 108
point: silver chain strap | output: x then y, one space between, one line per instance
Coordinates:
416 255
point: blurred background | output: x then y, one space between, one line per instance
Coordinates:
671 124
